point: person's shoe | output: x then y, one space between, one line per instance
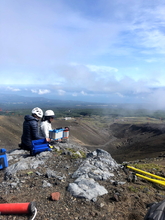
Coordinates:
23 147
20 146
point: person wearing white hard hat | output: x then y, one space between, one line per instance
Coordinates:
46 123
30 129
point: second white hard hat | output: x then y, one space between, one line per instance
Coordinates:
49 113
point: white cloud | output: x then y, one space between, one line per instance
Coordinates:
156 98
61 92
148 29
154 39
83 93
13 89
119 94
40 91
101 69
151 60
113 47
43 91
34 91
75 94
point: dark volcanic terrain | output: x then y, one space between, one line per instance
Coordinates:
123 141
140 143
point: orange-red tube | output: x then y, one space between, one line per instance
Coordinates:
16 208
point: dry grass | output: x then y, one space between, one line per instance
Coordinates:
138 120
149 167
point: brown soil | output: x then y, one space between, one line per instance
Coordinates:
144 143
124 142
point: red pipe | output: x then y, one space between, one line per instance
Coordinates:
17 208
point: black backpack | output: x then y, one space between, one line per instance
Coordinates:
156 211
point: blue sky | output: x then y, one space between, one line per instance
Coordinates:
90 50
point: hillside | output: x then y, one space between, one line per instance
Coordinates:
137 141
127 197
124 141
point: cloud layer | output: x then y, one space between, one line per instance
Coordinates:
106 51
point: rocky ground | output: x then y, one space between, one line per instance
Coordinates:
123 196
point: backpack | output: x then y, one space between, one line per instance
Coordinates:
39 146
156 211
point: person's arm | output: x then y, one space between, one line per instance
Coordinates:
34 131
45 129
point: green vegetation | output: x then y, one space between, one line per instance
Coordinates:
136 189
75 154
58 151
30 172
111 112
149 167
133 189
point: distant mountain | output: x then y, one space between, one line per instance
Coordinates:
7 98
10 101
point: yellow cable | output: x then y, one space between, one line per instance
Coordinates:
147 173
152 180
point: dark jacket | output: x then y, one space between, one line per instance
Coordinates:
30 131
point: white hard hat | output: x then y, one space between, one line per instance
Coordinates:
38 112
49 113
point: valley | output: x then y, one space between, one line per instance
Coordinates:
137 141
125 139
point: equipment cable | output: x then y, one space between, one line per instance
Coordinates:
34 214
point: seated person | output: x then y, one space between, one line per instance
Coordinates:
46 123
30 129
